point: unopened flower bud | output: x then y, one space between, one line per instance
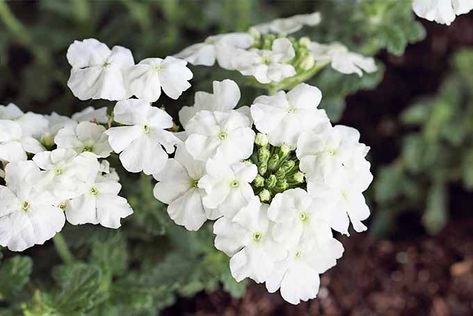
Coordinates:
281 185
262 168
258 181
261 139
304 41
287 166
271 181
284 150
263 155
265 195
307 62
298 177
273 162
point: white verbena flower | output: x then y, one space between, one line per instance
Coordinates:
297 276
100 204
441 11
247 239
288 25
284 116
224 98
341 59
67 173
214 132
28 215
84 137
97 71
140 143
219 47
89 114
297 215
227 186
326 152
177 187
267 65
150 75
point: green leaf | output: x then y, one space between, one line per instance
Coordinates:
436 214
80 288
14 275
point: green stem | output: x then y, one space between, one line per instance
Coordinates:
13 24
62 249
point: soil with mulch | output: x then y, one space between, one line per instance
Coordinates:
409 273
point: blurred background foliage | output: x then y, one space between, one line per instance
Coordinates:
142 268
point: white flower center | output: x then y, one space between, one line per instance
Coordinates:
58 171
88 148
146 129
291 109
297 254
105 65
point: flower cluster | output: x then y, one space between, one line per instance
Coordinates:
273 58
441 11
276 176
55 168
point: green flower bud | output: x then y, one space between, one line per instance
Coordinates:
261 139
265 195
263 155
307 62
298 177
262 168
281 185
304 41
287 166
271 181
273 162
258 181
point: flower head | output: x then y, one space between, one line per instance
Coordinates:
441 11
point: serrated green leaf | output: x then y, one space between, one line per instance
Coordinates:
14 275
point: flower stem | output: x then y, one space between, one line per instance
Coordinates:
62 249
13 24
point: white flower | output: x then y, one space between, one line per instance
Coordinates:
283 117
97 71
288 25
177 187
28 214
100 204
224 98
345 193
19 133
247 239
89 114
325 153
84 137
218 48
140 143
148 77
212 132
67 173
441 11
267 65
341 59
227 186
297 214
297 277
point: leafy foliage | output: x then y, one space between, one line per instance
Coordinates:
437 152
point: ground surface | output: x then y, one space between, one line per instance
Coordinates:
408 273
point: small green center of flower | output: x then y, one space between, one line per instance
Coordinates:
297 254
303 216
24 205
106 64
234 183
257 236
58 171
278 169
88 148
266 60
291 109
222 135
146 129
194 183
62 205
94 191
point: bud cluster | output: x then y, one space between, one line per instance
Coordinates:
278 169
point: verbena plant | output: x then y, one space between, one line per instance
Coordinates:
142 267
